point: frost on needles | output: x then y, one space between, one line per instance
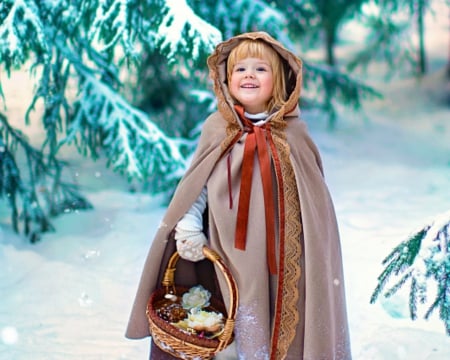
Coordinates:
76 52
93 61
423 258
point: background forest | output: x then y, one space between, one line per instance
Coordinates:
94 82
110 73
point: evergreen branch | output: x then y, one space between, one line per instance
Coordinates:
109 22
328 86
391 291
340 86
387 42
133 145
413 299
442 301
31 191
52 89
21 31
13 186
232 17
444 312
400 258
10 182
182 32
424 256
437 301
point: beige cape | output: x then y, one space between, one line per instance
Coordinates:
300 313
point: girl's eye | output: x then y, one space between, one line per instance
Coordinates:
261 69
239 69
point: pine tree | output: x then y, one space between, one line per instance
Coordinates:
326 84
188 94
88 55
84 45
391 27
423 257
323 20
291 23
233 17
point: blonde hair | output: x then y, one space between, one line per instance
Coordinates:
261 50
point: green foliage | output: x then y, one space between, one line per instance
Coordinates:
398 261
126 80
325 87
422 257
18 42
77 50
383 45
301 21
315 22
48 193
166 90
392 28
233 17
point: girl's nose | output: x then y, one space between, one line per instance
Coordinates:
249 75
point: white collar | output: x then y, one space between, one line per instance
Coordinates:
257 119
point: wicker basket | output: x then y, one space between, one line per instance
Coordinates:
178 343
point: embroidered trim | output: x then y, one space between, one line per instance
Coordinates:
290 253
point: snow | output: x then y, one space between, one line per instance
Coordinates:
179 15
69 296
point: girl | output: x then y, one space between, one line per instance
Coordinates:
255 193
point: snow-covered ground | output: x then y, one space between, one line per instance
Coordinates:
68 297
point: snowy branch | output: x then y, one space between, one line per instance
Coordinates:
237 16
113 18
133 144
424 256
21 31
181 28
41 194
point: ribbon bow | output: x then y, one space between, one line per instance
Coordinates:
258 141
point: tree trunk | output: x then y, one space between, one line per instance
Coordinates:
420 29
448 59
330 37
330 40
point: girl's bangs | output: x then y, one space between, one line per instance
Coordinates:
253 49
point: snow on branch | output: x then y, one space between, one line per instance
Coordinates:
41 193
21 31
110 18
182 29
423 256
133 144
258 14
237 16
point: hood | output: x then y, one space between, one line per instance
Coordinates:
217 70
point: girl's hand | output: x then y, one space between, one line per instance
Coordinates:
191 247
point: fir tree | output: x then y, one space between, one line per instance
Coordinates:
322 21
233 17
293 23
87 55
423 257
180 84
83 45
392 26
313 23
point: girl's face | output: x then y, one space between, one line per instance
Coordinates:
251 84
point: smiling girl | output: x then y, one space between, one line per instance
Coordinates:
256 194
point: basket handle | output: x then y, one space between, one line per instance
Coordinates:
168 282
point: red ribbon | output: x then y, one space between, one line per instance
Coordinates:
257 141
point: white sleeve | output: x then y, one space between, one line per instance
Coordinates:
192 221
